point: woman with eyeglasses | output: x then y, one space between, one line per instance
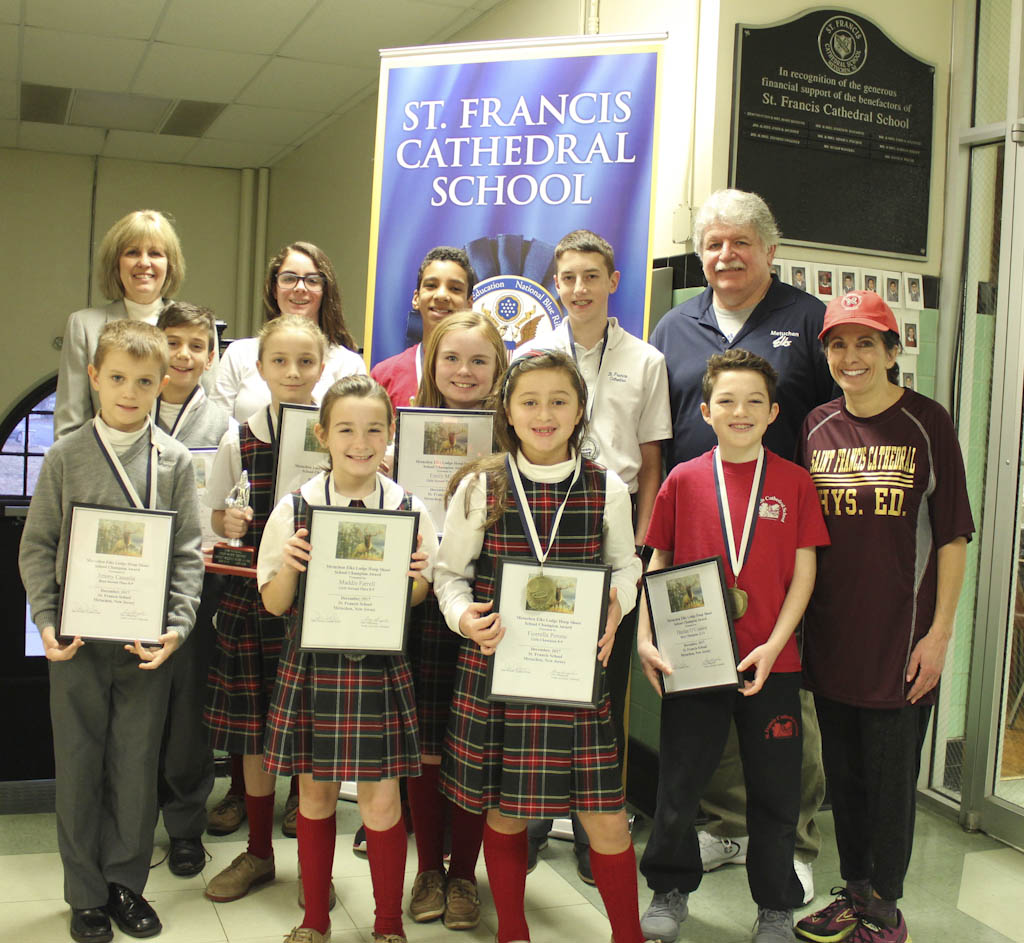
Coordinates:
300 280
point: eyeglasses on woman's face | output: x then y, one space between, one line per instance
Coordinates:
312 282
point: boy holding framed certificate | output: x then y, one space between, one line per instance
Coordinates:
108 715
760 514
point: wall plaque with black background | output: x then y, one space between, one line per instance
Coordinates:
832 125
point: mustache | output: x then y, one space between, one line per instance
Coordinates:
729 266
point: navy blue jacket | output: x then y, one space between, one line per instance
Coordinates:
783 329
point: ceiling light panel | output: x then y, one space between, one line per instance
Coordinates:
192 118
47 104
120 110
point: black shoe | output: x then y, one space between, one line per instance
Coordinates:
186 857
91 925
131 912
359 842
583 870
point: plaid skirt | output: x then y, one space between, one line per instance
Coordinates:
434 656
526 760
336 718
244 668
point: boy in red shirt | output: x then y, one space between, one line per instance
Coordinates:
760 513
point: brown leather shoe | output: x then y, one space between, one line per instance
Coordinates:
427 896
238 878
289 824
225 817
461 905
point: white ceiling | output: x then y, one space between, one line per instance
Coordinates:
284 68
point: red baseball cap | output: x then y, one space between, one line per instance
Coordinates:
859 307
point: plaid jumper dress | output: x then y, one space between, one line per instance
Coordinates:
433 655
241 679
532 761
337 718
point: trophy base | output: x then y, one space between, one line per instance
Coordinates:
226 555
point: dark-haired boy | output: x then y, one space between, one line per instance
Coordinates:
107 714
760 513
444 285
184 411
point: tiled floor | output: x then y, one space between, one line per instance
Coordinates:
961 887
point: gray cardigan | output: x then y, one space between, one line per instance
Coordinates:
75 469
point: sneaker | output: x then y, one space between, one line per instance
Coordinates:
773 926
225 817
583 870
307 935
832 923
238 878
461 905
869 931
534 846
805 871
662 917
332 895
289 825
714 851
427 896
359 842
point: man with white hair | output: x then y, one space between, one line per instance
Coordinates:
735 236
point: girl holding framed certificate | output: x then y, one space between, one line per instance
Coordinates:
342 715
465 358
536 500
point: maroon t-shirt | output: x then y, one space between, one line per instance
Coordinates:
685 523
893 490
398 375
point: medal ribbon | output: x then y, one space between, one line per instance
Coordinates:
419 366
526 515
122 476
737 559
191 403
591 393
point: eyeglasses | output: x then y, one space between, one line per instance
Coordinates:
314 282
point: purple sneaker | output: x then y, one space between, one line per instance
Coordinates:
832 923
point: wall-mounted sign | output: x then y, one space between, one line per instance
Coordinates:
832 125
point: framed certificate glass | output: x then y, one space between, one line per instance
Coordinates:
299 453
692 626
202 465
354 596
553 619
117 574
432 444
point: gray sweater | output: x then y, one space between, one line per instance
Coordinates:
75 469
204 427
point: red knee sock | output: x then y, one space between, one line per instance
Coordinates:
467 834
505 856
237 787
386 851
316 858
427 808
261 824
615 876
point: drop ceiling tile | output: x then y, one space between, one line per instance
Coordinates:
135 145
332 34
8 133
118 110
8 100
216 25
64 138
8 51
200 74
79 61
10 11
268 125
314 86
230 154
129 19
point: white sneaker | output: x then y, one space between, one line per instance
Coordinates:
805 871
714 851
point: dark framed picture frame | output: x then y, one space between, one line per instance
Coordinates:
299 454
553 618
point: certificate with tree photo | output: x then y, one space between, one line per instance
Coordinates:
117 574
354 595
691 622
432 444
300 455
553 616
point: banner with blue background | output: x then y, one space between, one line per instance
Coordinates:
502 150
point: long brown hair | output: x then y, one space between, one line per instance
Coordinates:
428 394
493 466
331 319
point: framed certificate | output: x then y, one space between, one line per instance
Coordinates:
299 453
117 574
202 465
553 619
692 626
354 596
432 444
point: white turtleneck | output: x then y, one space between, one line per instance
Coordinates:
148 313
120 440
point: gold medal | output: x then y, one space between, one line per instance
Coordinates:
738 601
589 448
541 593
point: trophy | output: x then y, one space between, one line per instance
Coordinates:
232 552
